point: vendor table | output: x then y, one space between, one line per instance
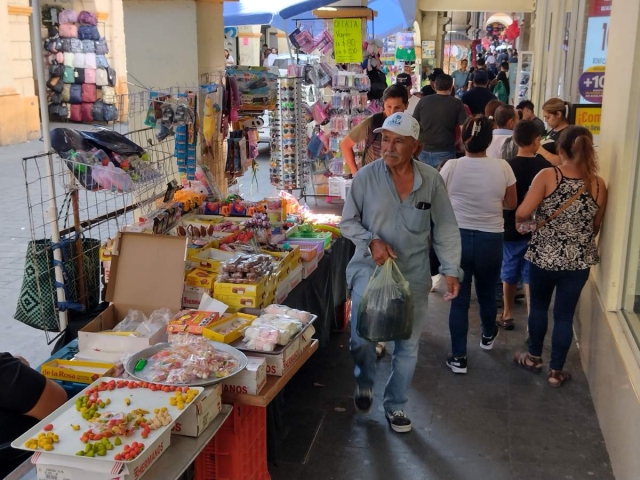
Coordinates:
171 464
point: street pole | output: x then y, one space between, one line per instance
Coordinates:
52 210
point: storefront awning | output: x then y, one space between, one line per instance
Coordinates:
393 16
267 12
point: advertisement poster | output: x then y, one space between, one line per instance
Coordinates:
588 116
591 82
347 40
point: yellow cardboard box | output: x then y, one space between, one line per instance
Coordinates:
76 371
200 278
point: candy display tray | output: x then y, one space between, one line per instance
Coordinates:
241 344
67 415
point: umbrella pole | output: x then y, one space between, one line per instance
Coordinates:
82 293
52 210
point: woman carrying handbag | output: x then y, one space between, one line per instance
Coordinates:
569 202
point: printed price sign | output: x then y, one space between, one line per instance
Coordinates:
591 84
347 40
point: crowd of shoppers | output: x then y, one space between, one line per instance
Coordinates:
521 206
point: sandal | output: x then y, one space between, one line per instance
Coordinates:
506 323
528 361
558 377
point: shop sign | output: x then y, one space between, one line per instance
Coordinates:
428 49
591 84
347 40
588 116
595 52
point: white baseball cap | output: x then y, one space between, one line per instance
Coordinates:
402 124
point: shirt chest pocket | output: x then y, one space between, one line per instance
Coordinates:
416 220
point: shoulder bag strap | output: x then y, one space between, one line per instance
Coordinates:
566 205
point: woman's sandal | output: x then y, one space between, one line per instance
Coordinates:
558 377
528 361
506 323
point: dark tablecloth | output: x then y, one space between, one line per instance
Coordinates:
325 291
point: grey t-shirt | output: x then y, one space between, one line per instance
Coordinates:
439 116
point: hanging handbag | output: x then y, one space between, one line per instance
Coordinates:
87 18
66 93
55 84
68 30
88 46
67 16
37 305
101 46
56 70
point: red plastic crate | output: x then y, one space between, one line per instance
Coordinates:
239 449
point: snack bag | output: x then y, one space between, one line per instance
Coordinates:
385 313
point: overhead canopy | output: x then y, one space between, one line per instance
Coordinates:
393 16
267 12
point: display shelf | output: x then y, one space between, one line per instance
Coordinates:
524 80
274 384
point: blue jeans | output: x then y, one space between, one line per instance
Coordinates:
481 260
568 285
405 353
435 158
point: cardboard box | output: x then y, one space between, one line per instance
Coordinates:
295 277
278 364
251 380
191 296
50 466
215 332
200 278
306 338
147 273
210 259
76 370
241 289
192 321
199 415
309 267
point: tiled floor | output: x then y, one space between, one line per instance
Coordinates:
496 423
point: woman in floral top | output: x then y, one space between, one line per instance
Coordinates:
569 202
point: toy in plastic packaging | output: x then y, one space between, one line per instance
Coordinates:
386 310
112 178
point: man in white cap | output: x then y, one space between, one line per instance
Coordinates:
396 208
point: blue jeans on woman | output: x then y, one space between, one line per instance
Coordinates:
435 158
568 284
403 360
482 261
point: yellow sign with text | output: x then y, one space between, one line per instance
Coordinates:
589 117
347 40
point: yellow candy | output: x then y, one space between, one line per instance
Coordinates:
107 401
48 447
75 427
163 409
172 401
181 406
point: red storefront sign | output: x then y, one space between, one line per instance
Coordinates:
600 8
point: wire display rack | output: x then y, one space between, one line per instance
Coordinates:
86 219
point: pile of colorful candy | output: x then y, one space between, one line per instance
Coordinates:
189 359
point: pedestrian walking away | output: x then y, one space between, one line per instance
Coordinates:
569 202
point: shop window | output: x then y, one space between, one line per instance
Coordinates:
631 301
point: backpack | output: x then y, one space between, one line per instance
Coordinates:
101 46
87 18
111 73
75 96
76 45
378 82
58 110
90 75
56 70
88 93
51 45
509 149
68 59
78 74
108 95
102 78
500 91
98 114
65 45
78 60
90 60
68 16
88 46
66 93
110 113
101 61
76 113
88 32
87 112
377 119
55 98
68 76
68 30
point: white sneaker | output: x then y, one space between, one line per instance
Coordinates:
398 421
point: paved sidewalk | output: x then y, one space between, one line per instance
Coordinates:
498 422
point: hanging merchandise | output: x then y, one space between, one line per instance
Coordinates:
288 137
256 89
406 50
